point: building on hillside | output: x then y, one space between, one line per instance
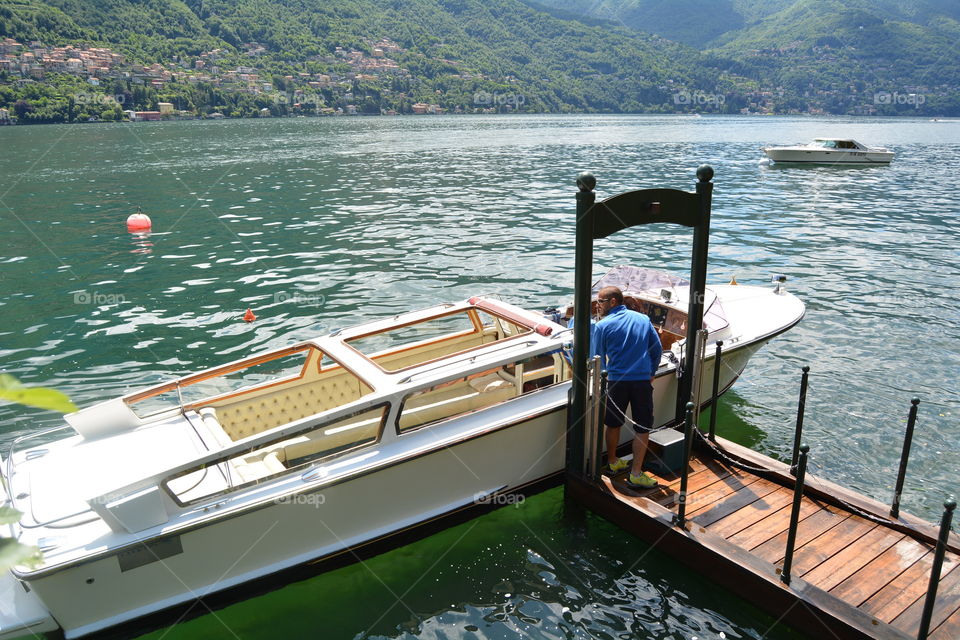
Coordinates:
146 116
166 108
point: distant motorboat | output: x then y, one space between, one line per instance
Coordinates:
829 151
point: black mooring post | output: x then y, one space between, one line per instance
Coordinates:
681 519
716 388
698 281
801 407
795 514
583 270
904 458
931 599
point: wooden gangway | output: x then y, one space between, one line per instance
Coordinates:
856 571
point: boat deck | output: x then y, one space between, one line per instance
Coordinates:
860 573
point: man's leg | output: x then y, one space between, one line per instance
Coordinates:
613 436
640 442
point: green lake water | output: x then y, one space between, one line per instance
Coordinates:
323 223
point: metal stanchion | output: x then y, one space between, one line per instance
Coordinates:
801 407
938 555
904 458
716 388
795 514
680 519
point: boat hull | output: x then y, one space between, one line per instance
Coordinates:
816 156
237 547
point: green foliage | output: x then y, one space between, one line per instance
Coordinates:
40 397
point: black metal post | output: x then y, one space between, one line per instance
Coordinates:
904 458
795 514
698 280
801 407
681 519
583 270
941 550
716 388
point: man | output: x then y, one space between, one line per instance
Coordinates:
630 350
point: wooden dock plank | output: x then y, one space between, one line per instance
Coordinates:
880 571
777 522
905 589
713 473
750 493
704 496
948 600
809 528
750 514
822 548
852 558
949 630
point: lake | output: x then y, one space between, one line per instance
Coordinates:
322 223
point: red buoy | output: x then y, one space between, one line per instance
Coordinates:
138 221
248 316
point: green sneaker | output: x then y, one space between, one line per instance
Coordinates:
616 467
642 481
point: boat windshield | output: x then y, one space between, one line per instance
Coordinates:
266 369
408 345
640 280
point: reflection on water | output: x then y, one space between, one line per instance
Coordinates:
323 223
141 242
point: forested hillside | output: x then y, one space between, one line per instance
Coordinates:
76 60
833 55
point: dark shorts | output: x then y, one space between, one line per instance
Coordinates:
636 393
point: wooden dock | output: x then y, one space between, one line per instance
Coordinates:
856 572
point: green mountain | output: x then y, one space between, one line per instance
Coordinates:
839 56
276 57
446 53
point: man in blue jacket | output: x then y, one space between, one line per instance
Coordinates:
629 349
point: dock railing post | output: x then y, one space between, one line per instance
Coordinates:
716 388
938 555
598 437
591 470
904 458
680 519
801 407
801 473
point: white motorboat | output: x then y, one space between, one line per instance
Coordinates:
305 454
829 151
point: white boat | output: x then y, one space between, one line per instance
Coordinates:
830 151
331 446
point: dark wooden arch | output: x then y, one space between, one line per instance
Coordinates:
602 219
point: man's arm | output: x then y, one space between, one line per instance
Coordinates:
654 350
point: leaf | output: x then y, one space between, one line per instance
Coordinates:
40 397
12 553
9 515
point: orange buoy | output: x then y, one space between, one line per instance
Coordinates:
248 316
138 221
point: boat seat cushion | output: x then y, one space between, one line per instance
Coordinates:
245 416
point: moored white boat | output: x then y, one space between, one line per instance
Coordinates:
213 480
829 151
